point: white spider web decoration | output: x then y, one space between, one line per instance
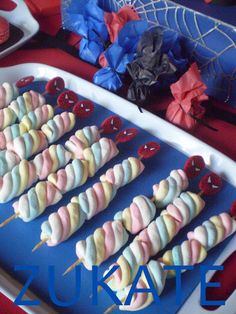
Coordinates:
209 42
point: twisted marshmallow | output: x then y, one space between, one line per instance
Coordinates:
102 244
82 139
58 126
28 144
124 173
68 219
99 154
167 190
95 199
29 101
62 224
142 300
154 238
214 230
50 160
36 200
15 182
190 252
138 216
8 160
8 92
7 117
33 120
71 177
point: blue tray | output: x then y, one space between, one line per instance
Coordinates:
18 238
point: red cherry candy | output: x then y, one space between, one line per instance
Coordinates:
7 5
83 108
55 85
148 150
111 125
67 99
210 184
25 81
193 166
233 209
126 135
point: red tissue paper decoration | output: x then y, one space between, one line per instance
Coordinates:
116 21
186 110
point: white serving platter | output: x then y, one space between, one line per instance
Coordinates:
22 18
177 138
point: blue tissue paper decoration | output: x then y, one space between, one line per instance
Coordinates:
87 20
119 54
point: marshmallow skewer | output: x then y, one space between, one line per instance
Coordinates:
24 104
46 193
35 141
133 219
8 92
51 159
91 202
13 107
91 134
33 120
191 252
56 156
161 231
81 139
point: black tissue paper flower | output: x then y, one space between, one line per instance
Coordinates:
149 66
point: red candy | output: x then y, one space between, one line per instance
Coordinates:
7 5
67 99
210 184
111 125
148 150
25 81
126 135
4 30
55 86
193 166
233 209
83 108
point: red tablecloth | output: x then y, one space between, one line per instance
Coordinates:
47 13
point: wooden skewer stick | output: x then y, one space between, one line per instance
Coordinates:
7 221
112 308
41 243
69 269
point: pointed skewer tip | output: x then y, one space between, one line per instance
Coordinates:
69 269
7 221
41 243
